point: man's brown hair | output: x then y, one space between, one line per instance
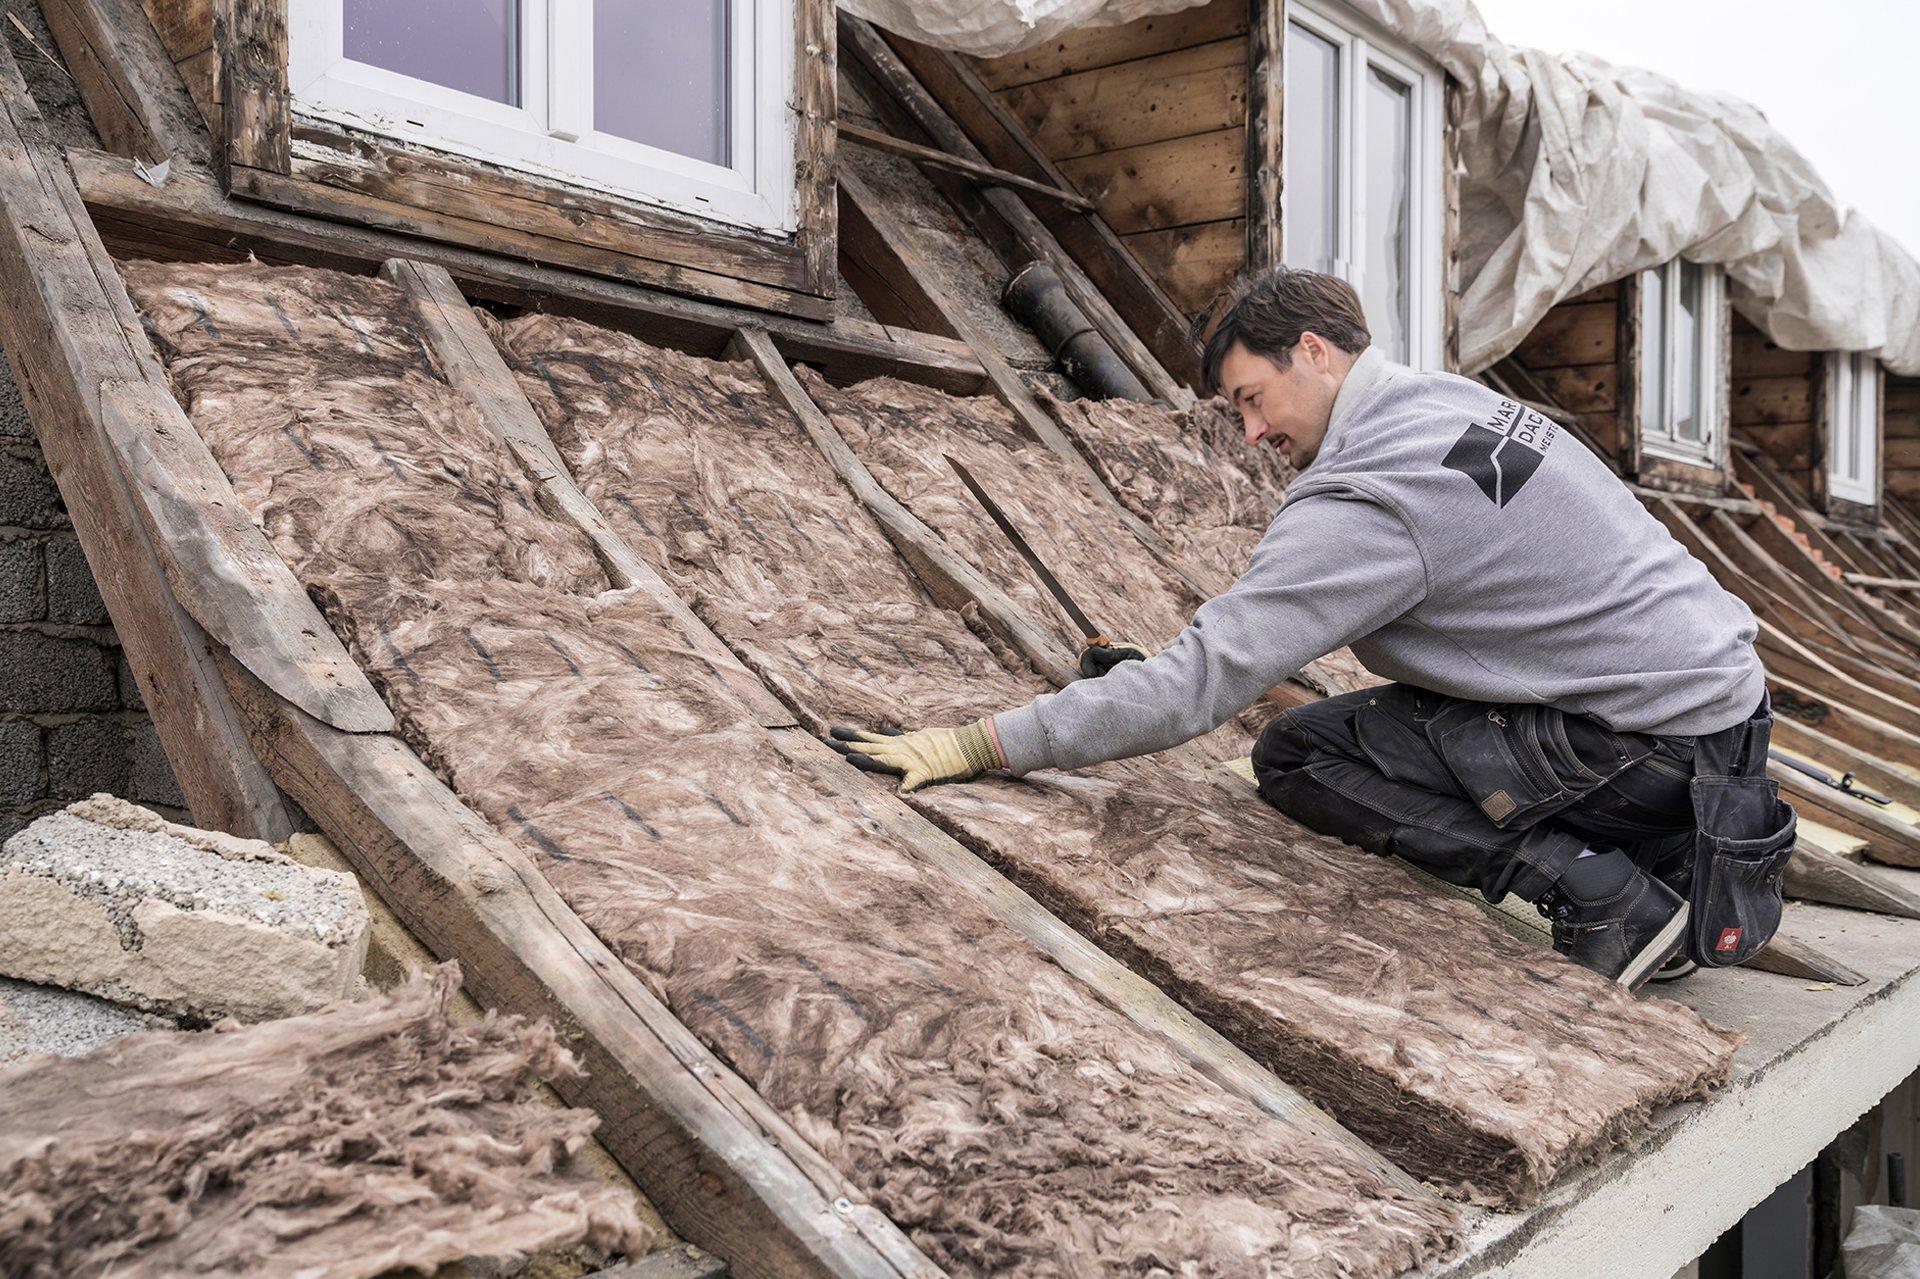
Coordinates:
1267 313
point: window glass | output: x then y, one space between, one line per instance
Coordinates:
468 45
1653 351
660 75
1853 464
1310 160
1386 258
1688 376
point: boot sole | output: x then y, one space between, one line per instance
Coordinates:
1665 943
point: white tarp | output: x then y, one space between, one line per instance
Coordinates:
1578 173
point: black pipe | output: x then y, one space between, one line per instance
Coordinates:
1038 299
1896 1180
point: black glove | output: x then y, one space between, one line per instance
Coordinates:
1095 662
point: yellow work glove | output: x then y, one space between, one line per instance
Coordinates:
922 758
1097 660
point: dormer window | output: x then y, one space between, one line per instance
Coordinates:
1853 438
1361 173
1680 318
679 103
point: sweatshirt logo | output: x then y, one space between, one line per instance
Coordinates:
1501 454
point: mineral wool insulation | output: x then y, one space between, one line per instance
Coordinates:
1470 1057
324 1146
987 1103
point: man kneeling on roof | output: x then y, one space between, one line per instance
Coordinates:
1558 660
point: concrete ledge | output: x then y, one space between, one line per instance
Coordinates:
1817 1058
112 900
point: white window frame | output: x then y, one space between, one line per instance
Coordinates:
1845 370
551 133
1709 377
1363 44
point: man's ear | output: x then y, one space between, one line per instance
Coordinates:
1314 347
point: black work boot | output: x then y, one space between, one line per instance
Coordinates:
1614 918
1672 864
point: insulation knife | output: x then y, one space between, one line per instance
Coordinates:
1094 637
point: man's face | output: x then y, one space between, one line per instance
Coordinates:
1286 408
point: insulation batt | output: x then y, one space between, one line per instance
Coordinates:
1472 1058
905 432
987 1103
1192 476
354 1141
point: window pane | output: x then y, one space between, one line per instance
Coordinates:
469 45
1688 343
660 75
1386 264
1866 416
1310 161
1653 352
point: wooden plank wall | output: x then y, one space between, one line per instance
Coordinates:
1574 354
1773 402
186 30
1148 120
1900 421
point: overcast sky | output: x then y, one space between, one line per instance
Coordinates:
1839 78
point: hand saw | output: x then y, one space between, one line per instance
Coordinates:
1092 634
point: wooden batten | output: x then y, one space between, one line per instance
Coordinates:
1814 874
191 219
137 101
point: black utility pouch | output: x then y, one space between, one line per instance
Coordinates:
1744 838
1494 753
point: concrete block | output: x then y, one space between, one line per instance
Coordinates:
28 497
14 422
87 757
19 763
20 580
54 674
130 695
112 900
150 777
47 1019
72 596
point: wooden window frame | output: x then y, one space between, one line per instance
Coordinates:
1846 496
1361 44
1661 460
274 152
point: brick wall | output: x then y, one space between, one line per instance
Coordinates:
71 720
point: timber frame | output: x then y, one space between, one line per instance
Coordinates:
267 151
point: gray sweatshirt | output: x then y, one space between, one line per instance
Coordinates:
1457 541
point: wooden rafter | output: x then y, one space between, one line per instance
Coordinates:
986 174
1266 112
78 355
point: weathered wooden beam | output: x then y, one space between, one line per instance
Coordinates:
1791 957
1889 839
1266 111
953 582
864 208
192 218
723 1167
1882 583
1816 875
1029 231
70 333
1120 277
1844 757
874 139
473 366
136 98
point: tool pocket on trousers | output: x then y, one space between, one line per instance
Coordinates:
1746 836
1496 756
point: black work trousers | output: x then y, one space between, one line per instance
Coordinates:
1500 798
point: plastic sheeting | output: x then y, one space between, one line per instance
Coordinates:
1576 173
